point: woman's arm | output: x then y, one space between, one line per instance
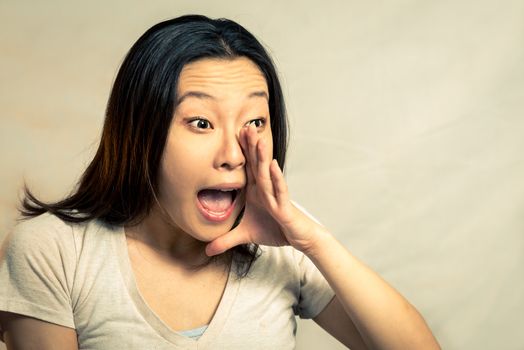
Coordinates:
384 319
334 320
27 333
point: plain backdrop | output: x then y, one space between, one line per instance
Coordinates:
407 123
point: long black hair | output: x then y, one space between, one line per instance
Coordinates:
119 185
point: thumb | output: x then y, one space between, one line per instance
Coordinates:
224 242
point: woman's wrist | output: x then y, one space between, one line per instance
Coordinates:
320 239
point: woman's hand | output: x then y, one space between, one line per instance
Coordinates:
269 217
366 307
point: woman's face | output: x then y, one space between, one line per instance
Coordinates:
202 172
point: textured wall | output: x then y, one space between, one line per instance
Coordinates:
407 120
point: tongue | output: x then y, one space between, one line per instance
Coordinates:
215 200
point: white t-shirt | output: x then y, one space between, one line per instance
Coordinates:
80 276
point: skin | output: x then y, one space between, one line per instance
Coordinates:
366 313
202 151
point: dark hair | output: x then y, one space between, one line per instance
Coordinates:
119 185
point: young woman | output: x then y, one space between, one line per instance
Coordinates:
181 233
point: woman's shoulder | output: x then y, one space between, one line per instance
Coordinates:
284 256
46 234
38 262
283 261
284 253
37 231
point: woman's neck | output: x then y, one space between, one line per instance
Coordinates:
167 242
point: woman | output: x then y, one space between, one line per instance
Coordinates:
181 233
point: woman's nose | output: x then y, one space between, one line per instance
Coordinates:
230 155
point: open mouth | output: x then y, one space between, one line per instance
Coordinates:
217 204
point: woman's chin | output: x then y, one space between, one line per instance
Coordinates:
208 234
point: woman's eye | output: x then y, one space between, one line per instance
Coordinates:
256 122
200 123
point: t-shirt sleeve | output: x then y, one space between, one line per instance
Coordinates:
37 264
315 291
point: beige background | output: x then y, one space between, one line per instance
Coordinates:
407 133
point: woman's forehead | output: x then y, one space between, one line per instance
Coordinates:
216 77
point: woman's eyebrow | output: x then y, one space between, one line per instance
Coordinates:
202 95
259 94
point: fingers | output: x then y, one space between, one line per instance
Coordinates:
264 160
259 160
279 183
262 169
263 173
252 141
245 149
248 141
225 242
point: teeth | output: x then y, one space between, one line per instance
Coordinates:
227 190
